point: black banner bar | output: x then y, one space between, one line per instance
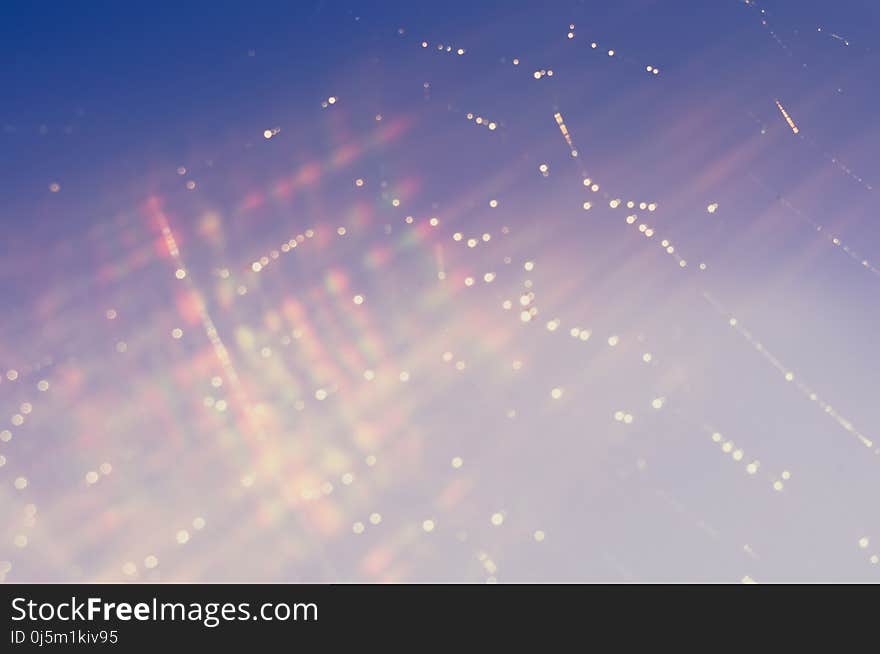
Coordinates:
131 617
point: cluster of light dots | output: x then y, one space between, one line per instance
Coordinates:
580 333
151 561
619 416
788 119
864 542
359 527
652 70
540 74
834 160
788 375
259 265
17 419
833 239
528 310
451 49
489 566
577 333
329 102
836 37
488 278
562 128
491 125
614 203
326 487
473 241
269 133
624 417
852 254
93 477
846 170
646 230
751 466
763 17
20 483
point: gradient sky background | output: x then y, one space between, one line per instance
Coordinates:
223 359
